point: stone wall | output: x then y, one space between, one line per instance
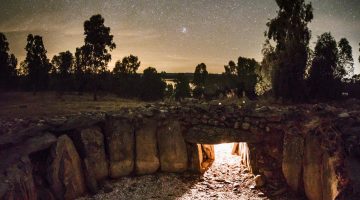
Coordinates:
314 149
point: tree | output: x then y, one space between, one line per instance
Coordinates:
199 80
63 63
323 78
266 68
200 75
99 42
63 66
182 87
230 69
230 77
80 68
126 77
129 65
289 29
152 86
36 64
345 67
247 77
8 64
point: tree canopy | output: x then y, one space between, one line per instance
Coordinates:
8 63
63 63
182 87
346 60
323 78
36 64
199 80
98 43
289 29
200 75
129 65
152 86
247 77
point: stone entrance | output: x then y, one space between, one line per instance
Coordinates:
47 158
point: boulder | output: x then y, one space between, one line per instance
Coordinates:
292 161
92 148
330 181
172 147
196 157
312 176
208 152
65 173
17 181
120 142
147 157
90 179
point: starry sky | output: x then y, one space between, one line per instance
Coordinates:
171 35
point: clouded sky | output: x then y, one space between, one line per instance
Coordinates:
171 35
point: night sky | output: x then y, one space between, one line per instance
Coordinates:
171 35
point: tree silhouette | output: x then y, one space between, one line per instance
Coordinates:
230 77
80 69
63 66
8 64
128 65
152 86
99 42
290 32
200 75
345 65
126 77
230 69
36 64
323 81
247 77
267 66
199 80
182 87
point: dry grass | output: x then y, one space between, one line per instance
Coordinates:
25 104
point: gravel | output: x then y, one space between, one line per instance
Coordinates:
225 180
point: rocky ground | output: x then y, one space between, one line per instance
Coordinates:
226 179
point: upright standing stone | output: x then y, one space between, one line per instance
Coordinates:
208 152
121 146
19 181
147 157
313 168
94 151
196 157
172 147
330 180
292 161
65 174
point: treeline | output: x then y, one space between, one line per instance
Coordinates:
289 70
85 71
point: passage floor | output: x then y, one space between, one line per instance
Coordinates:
225 180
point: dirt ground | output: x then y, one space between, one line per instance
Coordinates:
225 180
25 104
